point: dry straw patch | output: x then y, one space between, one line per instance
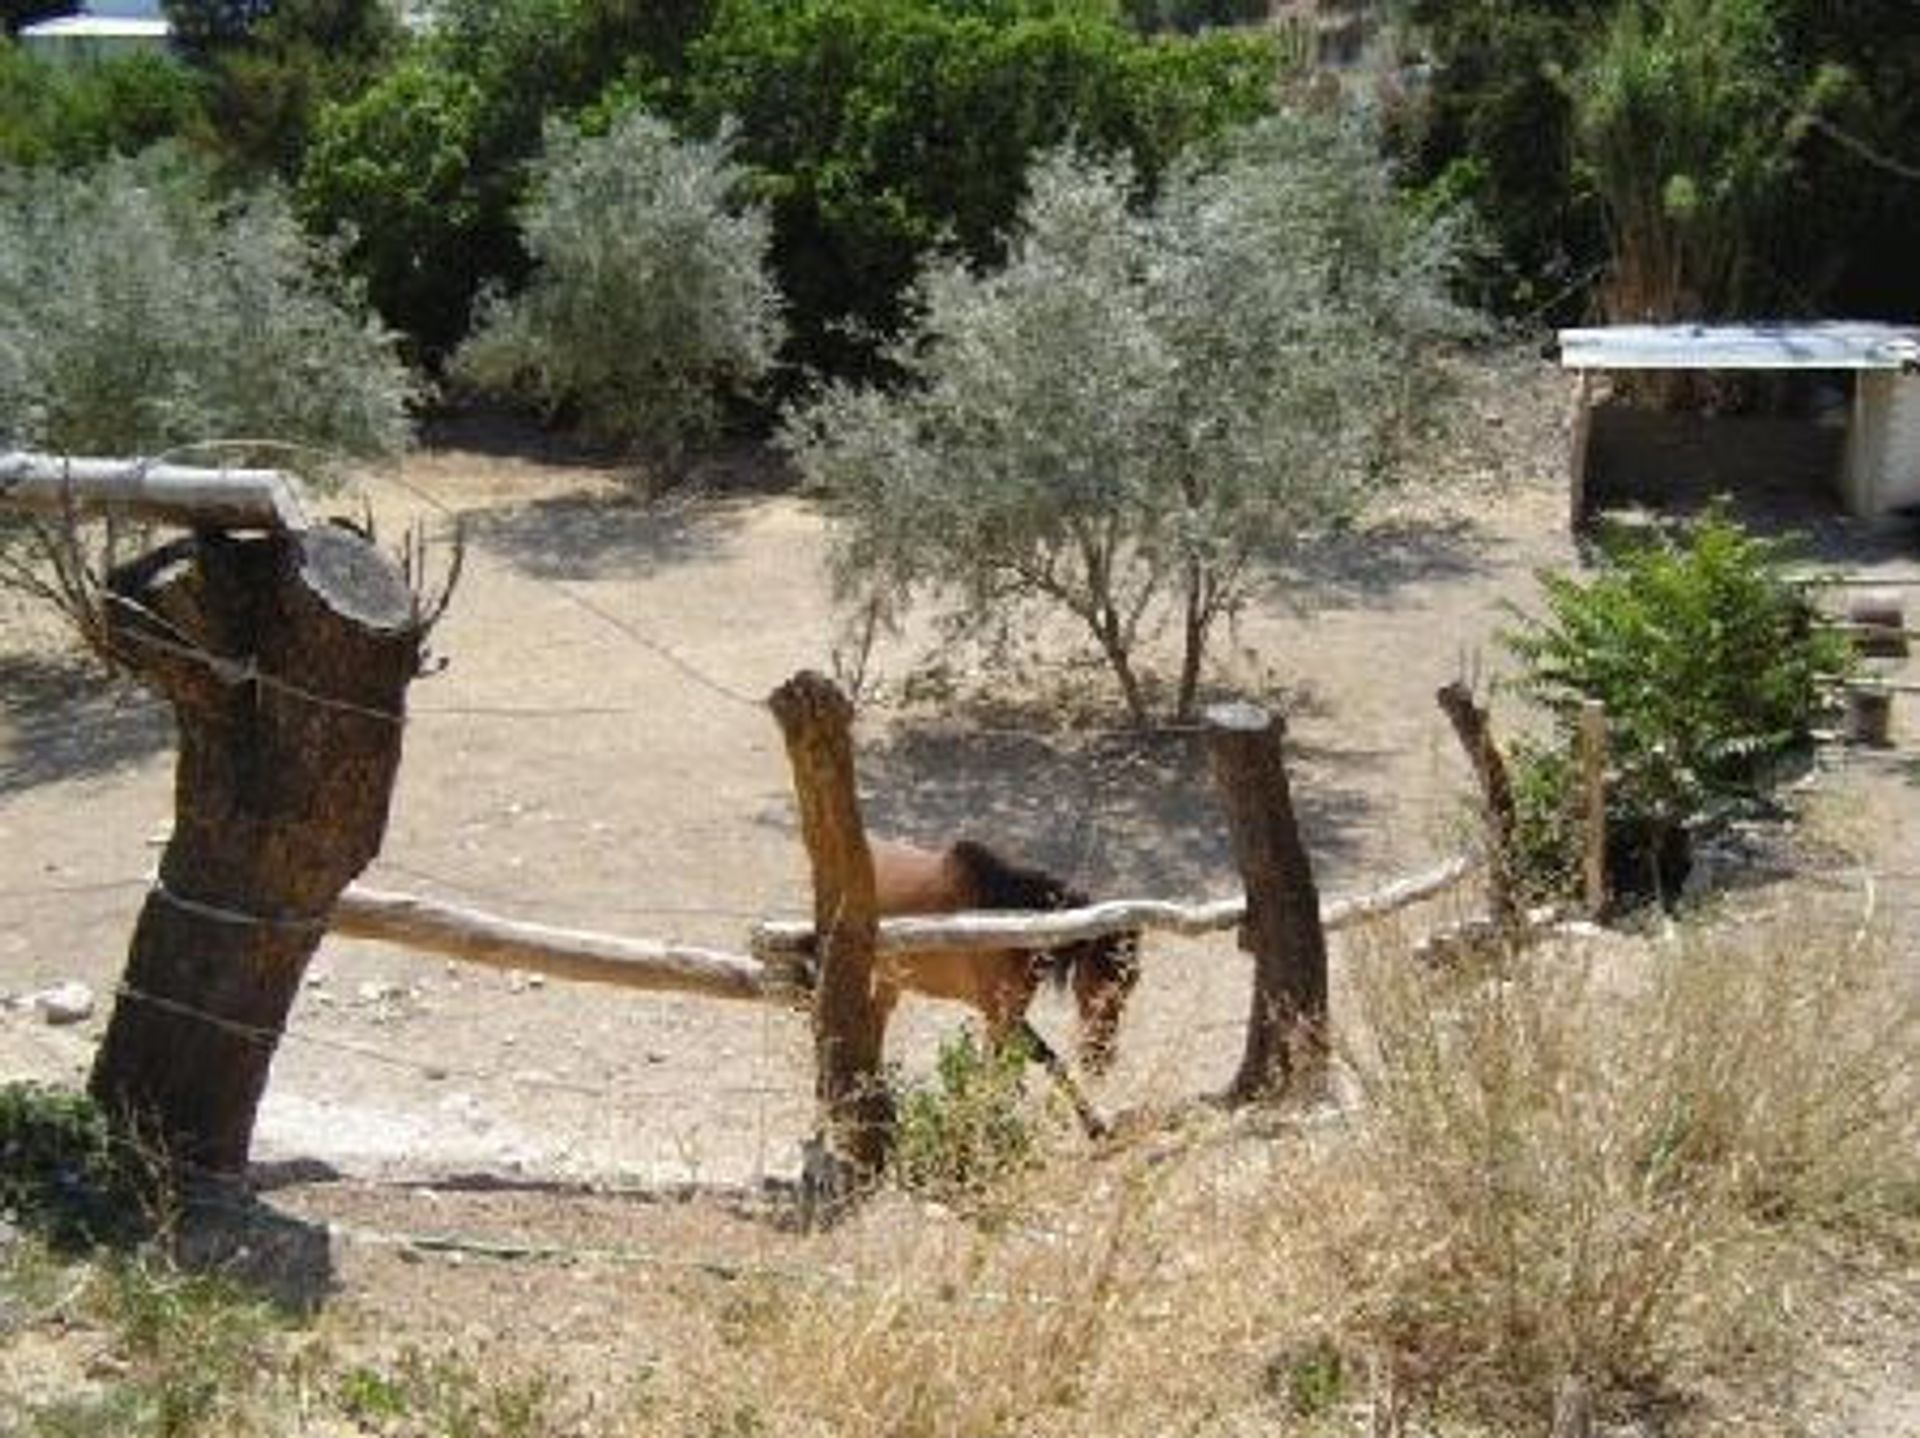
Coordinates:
1607 1162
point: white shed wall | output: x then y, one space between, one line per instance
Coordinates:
1883 444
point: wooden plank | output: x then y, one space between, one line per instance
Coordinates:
472 937
774 938
185 495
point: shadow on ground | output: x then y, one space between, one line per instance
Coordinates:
275 1255
66 719
1367 564
590 536
1112 813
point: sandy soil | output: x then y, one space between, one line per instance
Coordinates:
595 753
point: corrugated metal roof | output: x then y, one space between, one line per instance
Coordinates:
1828 344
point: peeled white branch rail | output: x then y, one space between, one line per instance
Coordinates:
576 954
170 493
774 939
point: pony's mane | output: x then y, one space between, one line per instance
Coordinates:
999 883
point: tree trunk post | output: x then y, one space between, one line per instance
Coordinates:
1469 722
1593 806
849 1031
286 659
1287 1027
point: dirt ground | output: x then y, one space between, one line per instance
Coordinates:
596 753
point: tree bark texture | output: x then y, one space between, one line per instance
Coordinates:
1497 810
849 1031
1288 1021
286 659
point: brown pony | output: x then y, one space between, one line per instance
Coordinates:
999 983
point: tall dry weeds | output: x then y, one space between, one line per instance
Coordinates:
1591 1165
1604 1162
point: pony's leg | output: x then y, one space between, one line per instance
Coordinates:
1043 1053
1006 1011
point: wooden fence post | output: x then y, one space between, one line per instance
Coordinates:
1593 806
849 1034
286 659
1469 722
1288 1021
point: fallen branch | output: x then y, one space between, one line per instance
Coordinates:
775 939
584 957
185 495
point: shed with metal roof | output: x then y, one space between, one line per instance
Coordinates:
1880 469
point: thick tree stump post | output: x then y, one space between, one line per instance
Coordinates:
1287 1028
849 1033
286 658
1469 722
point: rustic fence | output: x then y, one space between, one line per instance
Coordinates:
286 651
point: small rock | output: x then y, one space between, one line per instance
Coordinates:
434 1072
375 991
68 1003
517 982
654 1056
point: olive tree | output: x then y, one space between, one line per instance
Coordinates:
650 295
1146 401
137 314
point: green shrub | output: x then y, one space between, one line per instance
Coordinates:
1710 669
75 115
965 1133
650 298
137 314
423 170
399 175
61 1169
881 128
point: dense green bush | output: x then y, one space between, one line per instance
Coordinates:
62 1170
73 115
1758 147
649 299
1189 16
1682 131
423 170
883 127
1710 669
398 175
136 314
270 82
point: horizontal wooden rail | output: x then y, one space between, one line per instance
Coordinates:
579 955
773 940
169 493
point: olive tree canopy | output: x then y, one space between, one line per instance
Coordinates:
1146 400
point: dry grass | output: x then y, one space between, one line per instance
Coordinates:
1607 1165
1608 1159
